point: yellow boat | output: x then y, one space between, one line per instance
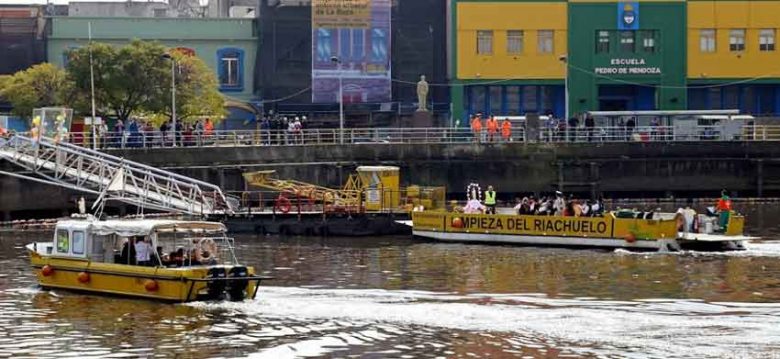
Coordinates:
633 230
96 256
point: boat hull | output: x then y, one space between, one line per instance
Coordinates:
155 283
605 232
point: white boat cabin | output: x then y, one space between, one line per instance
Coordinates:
170 243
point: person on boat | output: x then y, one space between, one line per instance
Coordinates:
176 258
473 206
559 205
490 200
585 208
143 252
127 255
688 214
723 209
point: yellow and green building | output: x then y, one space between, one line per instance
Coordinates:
513 57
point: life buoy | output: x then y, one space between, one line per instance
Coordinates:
283 204
83 277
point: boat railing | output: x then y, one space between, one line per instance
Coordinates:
225 248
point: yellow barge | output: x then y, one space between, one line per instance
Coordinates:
649 231
103 257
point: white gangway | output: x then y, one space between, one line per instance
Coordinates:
111 177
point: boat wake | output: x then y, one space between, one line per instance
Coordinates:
582 326
752 249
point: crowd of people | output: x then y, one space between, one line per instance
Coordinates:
139 251
557 205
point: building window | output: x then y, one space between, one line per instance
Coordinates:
358 44
707 40
737 40
485 42
648 40
324 44
602 42
545 45
345 44
766 40
627 41
230 71
160 12
379 46
514 42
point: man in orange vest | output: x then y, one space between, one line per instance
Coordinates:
492 127
506 130
476 127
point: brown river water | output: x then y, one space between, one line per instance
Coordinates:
394 297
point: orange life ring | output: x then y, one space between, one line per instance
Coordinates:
83 277
47 270
283 204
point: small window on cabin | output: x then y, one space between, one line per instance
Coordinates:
63 242
78 242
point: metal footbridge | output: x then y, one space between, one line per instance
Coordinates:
111 177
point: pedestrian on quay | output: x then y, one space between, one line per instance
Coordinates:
119 130
265 130
208 129
476 127
590 126
492 128
573 123
198 132
506 130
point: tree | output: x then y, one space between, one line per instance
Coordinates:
127 79
39 86
135 79
197 93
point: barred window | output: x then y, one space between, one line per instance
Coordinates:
602 41
485 42
766 40
514 42
707 40
545 45
737 40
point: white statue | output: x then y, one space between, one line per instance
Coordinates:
422 94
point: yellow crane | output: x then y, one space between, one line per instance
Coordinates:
348 197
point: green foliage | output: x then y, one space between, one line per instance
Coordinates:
39 86
197 93
134 80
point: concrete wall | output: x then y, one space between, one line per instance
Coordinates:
616 170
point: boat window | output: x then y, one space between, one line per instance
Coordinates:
63 244
78 242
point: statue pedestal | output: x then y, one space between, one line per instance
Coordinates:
420 119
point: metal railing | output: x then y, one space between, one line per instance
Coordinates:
99 173
447 135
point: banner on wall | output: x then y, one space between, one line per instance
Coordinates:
357 33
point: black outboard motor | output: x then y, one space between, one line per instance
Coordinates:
236 289
216 289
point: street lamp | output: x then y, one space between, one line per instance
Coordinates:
173 95
565 60
336 60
